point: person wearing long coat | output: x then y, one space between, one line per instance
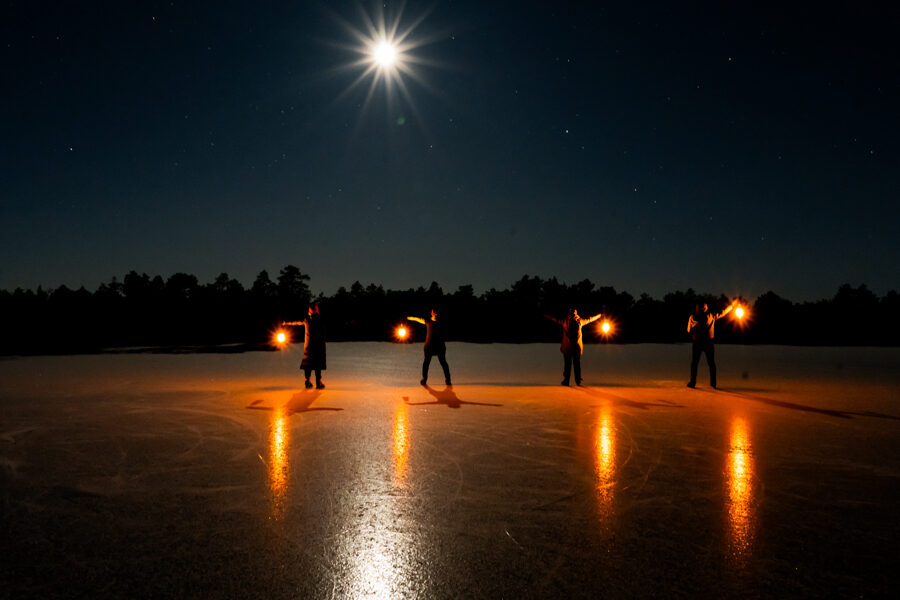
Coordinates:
572 345
434 346
313 346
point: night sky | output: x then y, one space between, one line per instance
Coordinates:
647 146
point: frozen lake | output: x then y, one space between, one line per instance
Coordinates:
218 476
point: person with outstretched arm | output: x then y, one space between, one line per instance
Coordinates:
313 345
702 327
434 346
572 345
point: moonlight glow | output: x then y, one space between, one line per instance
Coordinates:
383 49
384 54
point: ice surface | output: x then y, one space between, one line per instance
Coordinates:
218 475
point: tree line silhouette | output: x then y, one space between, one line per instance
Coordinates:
180 313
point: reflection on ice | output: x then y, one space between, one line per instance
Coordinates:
740 488
379 571
401 444
605 461
378 546
652 490
279 461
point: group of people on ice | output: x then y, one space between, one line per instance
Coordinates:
700 325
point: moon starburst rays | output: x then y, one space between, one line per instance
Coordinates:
383 49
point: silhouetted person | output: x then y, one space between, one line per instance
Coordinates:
434 346
313 346
702 327
572 346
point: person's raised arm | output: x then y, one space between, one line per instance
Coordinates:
416 319
728 309
591 319
298 323
554 319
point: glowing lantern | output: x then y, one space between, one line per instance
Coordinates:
606 327
402 333
742 317
280 338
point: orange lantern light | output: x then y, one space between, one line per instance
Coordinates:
280 338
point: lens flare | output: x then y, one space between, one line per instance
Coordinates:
741 317
383 48
606 329
401 334
280 338
384 53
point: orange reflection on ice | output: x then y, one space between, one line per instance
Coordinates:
401 444
740 473
605 460
279 463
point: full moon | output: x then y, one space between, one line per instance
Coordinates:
385 54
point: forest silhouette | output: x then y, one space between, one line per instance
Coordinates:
142 313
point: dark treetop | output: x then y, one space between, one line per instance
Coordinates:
180 312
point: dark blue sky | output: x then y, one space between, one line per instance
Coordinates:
651 147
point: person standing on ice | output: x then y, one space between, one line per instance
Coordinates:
702 327
313 345
572 345
434 346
